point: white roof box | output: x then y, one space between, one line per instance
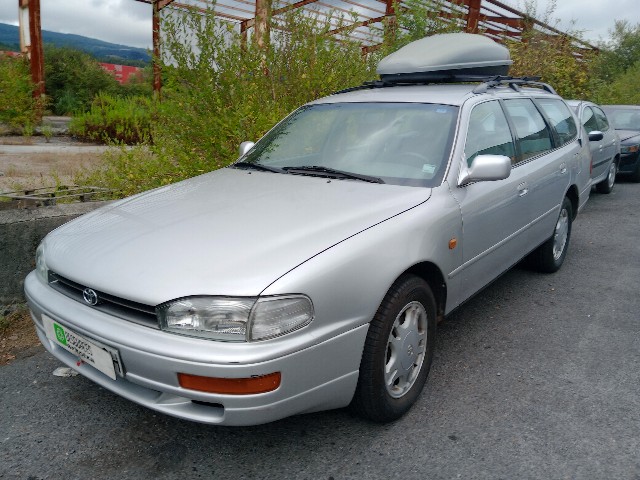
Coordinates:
445 56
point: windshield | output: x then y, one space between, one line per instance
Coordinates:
624 118
399 143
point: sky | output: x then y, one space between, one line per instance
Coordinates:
128 22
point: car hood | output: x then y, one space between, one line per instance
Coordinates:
628 134
229 232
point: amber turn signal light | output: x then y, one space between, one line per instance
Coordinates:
231 386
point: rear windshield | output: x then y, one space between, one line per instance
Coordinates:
400 143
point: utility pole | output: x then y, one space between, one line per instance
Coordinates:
31 42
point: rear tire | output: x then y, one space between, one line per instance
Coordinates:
606 186
549 256
398 351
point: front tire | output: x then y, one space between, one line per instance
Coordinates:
549 256
398 351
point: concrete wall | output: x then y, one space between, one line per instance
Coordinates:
20 233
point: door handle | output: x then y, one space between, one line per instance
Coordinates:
523 189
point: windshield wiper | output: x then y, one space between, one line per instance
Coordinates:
331 172
257 166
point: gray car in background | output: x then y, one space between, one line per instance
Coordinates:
311 273
626 121
604 144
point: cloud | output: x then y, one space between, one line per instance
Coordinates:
594 18
125 22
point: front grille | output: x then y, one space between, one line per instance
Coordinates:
109 304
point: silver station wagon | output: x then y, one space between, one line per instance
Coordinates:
311 273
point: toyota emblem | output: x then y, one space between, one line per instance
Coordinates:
90 296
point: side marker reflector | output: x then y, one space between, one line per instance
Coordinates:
231 386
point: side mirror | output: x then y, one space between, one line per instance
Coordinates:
595 136
245 147
486 168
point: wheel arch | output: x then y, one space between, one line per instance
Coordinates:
431 274
573 196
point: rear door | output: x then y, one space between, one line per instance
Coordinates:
545 157
598 152
610 138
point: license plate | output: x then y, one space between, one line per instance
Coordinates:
89 351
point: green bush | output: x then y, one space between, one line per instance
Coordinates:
624 90
18 108
219 91
124 120
73 78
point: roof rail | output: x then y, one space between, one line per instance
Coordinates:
486 82
404 79
514 83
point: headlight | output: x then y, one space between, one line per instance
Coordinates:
41 265
629 148
236 319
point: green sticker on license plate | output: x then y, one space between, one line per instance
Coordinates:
60 336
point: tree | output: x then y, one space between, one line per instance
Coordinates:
18 108
551 57
625 89
73 78
621 52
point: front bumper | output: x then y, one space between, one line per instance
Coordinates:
314 377
629 163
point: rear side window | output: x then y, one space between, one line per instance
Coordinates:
533 134
589 120
488 133
560 117
603 123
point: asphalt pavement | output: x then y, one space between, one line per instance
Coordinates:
537 377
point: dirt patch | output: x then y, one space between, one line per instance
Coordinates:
32 162
18 336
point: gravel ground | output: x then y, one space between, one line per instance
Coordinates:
33 162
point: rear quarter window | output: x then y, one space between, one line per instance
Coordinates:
560 118
534 137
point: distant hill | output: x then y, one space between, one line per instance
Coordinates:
102 51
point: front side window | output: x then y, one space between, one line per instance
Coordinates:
400 143
488 132
560 117
533 134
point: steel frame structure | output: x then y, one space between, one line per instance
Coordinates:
363 21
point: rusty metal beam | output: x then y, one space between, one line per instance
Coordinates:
261 29
157 72
473 16
354 25
162 3
31 42
502 33
508 21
